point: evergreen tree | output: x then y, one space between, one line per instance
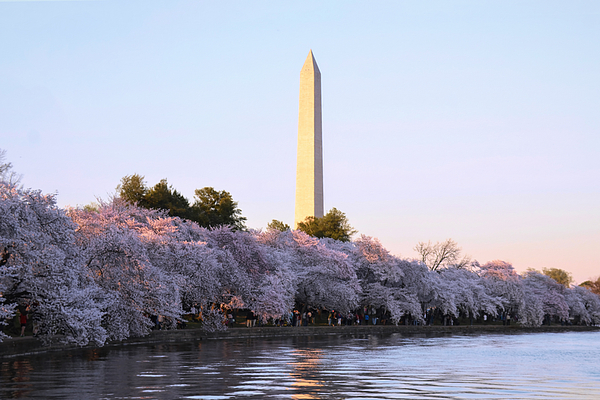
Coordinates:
332 225
133 189
165 197
213 208
278 225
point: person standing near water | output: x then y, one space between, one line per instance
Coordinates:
23 319
249 319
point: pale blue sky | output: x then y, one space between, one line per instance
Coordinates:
477 121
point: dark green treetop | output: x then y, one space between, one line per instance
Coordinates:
213 208
333 225
278 225
133 189
164 197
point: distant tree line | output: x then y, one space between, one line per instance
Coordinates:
211 208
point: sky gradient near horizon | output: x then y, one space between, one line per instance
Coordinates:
476 121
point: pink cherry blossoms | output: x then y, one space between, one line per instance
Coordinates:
90 276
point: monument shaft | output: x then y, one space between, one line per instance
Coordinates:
309 168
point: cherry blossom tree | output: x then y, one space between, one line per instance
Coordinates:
470 293
244 263
584 305
502 281
175 247
277 288
382 279
41 268
117 257
549 293
427 286
324 277
97 274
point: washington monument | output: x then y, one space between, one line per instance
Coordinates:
309 168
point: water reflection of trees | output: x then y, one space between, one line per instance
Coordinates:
296 368
16 377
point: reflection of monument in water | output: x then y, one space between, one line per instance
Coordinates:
309 167
306 373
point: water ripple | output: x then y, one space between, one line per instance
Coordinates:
533 366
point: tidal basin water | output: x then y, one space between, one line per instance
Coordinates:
486 366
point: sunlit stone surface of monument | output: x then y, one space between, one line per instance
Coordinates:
309 168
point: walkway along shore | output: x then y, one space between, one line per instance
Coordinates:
18 347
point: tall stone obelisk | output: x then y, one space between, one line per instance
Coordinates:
309 167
